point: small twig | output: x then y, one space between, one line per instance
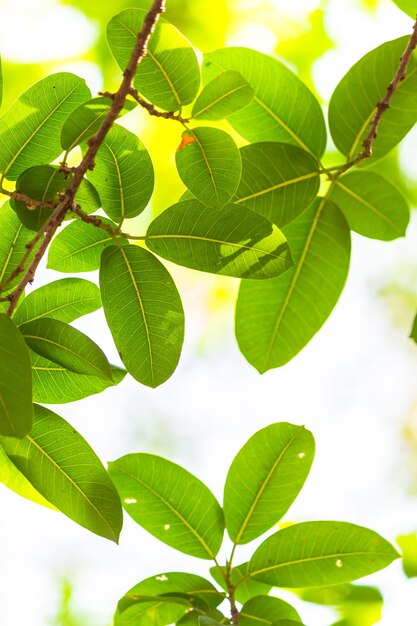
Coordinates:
94 220
66 202
167 115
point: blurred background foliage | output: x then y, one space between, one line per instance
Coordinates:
37 38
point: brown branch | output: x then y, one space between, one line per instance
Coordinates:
66 202
167 115
94 220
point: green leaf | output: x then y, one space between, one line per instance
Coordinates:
16 481
53 384
209 164
355 98
170 503
85 120
265 478
408 545
289 310
312 554
1 83
408 6
15 381
246 587
192 618
144 312
66 346
61 465
227 93
78 247
205 620
233 241
168 75
13 240
373 206
64 300
123 174
266 610
413 334
278 180
283 108
46 183
30 129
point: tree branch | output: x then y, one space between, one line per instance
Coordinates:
67 201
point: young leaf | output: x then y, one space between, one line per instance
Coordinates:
289 310
283 108
312 554
224 95
53 384
30 129
168 75
64 300
355 98
78 247
278 180
66 346
267 610
372 206
13 240
144 312
15 381
60 464
16 481
123 174
86 119
209 164
233 241
265 478
170 503
245 586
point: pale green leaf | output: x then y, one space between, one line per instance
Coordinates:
233 241
209 164
225 94
170 503
312 554
30 129
16 481
14 238
283 108
123 174
15 381
278 180
372 206
265 478
61 465
277 318
266 610
408 6
65 300
66 346
355 98
144 312
168 75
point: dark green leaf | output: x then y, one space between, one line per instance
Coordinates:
278 180
15 381
170 503
13 240
79 246
233 241
30 129
265 478
413 334
225 94
169 75
373 207
123 174
283 108
65 300
209 164
86 119
66 346
53 384
144 312
246 587
276 319
60 464
320 553
354 101
266 610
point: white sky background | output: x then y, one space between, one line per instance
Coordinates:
353 385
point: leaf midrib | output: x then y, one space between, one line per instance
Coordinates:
219 99
370 206
285 183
